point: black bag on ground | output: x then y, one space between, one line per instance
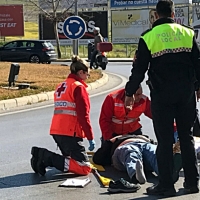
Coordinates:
196 127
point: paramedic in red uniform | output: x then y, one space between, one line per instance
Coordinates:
70 124
115 119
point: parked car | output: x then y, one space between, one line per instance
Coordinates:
33 51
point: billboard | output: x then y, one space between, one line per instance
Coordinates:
196 21
182 15
196 13
11 20
128 25
92 19
133 3
70 3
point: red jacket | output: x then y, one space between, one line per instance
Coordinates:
115 118
78 96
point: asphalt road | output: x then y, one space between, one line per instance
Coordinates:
28 126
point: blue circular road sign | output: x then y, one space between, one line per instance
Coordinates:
74 27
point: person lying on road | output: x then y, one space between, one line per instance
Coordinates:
132 153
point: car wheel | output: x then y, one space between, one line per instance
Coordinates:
34 59
49 62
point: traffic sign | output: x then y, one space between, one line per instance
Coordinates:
74 27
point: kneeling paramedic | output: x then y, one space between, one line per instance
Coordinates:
115 119
70 124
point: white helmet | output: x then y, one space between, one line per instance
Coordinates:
96 29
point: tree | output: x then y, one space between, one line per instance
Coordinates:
51 8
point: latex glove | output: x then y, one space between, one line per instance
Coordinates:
92 145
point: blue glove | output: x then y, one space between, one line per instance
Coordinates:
92 145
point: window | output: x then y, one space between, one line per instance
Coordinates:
48 45
20 44
29 44
10 45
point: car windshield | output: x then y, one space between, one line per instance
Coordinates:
48 45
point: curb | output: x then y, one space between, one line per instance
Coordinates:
46 96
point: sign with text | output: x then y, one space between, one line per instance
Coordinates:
92 19
182 15
128 25
196 21
196 13
11 20
133 3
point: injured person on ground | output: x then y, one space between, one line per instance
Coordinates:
133 154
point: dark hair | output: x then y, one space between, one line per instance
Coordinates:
78 64
164 8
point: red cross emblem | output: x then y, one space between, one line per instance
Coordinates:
61 90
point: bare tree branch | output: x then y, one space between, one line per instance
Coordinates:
44 11
52 14
66 10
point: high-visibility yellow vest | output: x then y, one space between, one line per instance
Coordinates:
168 38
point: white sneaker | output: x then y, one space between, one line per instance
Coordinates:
140 176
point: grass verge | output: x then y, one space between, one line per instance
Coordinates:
41 77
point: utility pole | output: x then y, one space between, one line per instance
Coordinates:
75 42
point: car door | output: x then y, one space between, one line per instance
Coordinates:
8 52
21 51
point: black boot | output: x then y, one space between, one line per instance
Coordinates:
43 158
191 189
159 190
36 161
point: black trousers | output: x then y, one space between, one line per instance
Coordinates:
93 56
175 103
71 146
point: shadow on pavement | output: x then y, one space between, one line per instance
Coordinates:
28 179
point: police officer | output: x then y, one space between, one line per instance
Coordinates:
173 55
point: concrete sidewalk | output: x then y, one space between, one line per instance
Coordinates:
46 96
